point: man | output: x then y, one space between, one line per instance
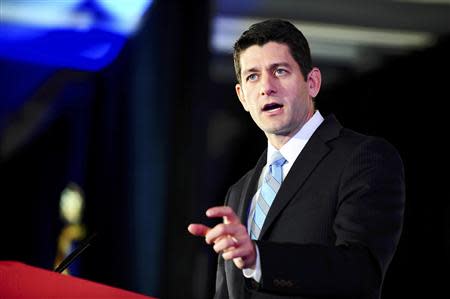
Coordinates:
322 219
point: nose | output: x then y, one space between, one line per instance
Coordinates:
267 85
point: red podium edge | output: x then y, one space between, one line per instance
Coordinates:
18 280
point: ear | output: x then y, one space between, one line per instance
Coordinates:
314 82
240 95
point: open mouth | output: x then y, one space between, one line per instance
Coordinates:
272 107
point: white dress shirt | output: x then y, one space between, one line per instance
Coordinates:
290 152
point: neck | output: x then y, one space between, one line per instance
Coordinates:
278 140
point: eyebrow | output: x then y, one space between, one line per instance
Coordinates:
271 67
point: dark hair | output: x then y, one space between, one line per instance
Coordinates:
279 31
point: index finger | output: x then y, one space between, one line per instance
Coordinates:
223 211
198 229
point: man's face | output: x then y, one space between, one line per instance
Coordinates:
274 90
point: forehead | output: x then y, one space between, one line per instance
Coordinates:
268 54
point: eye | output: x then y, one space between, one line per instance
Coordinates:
252 77
280 72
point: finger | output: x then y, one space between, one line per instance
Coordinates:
225 244
240 252
198 229
223 230
224 211
243 257
239 262
246 251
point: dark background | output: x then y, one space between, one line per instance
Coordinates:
156 138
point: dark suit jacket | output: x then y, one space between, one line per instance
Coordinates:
334 225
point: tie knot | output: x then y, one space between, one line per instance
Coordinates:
277 159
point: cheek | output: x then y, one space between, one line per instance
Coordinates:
250 100
298 106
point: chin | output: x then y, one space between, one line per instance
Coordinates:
277 131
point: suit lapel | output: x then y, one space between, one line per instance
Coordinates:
251 186
314 151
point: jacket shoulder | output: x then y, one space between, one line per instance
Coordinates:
350 141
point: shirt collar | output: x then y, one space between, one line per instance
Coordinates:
295 145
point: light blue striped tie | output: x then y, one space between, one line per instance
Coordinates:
269 189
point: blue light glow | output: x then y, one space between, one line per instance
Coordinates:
79 34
